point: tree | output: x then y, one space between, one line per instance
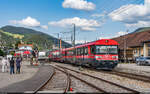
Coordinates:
16 45
1 53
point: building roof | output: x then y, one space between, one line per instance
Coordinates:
25 46
20 45
135 39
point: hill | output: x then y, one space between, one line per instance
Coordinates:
141 29
11 34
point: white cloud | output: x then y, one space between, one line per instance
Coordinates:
82 23
133 14
78 41
78 4
29 21
44 26
97 15
121 33
113 36
88 28
139 24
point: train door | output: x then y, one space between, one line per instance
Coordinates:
92 55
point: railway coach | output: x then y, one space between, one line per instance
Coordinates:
102 54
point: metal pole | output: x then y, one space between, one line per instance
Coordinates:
58 40
74 35
125 46
124 49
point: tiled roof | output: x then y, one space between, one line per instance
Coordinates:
133 39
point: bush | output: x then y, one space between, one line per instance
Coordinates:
1 53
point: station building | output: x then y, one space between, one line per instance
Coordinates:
134 44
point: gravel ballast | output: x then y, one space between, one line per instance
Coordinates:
133 84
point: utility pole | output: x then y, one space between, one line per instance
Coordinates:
58 40
65 38
125 46
74 35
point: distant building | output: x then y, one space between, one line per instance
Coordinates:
25 47
134 44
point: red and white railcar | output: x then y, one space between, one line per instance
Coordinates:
99 54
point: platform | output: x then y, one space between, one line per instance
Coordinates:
28 80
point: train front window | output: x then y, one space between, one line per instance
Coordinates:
106 49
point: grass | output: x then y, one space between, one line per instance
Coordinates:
13 35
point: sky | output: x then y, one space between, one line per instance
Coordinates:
94 19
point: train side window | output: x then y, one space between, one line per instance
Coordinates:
86 51
74 52
78 51
81 50
71 52
65 53
93 49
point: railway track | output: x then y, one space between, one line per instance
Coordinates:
97 78
130 75
68 82
126 74
78 78
67 88
43 84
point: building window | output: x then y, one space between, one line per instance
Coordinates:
148 44
148 52
139 51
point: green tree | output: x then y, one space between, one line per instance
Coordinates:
16 44
1 53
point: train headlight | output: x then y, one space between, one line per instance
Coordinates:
115 57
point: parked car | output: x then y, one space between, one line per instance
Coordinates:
143 60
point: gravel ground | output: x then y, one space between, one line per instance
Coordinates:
78 86
133 68
6 79
134 84
58 82
103 85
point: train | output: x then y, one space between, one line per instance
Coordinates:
100 54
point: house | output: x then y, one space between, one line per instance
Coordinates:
25 47
134 44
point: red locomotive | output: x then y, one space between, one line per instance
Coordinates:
101 54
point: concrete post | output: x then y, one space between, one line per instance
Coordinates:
145 49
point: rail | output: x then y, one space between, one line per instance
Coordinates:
90 84
45 82
123 87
